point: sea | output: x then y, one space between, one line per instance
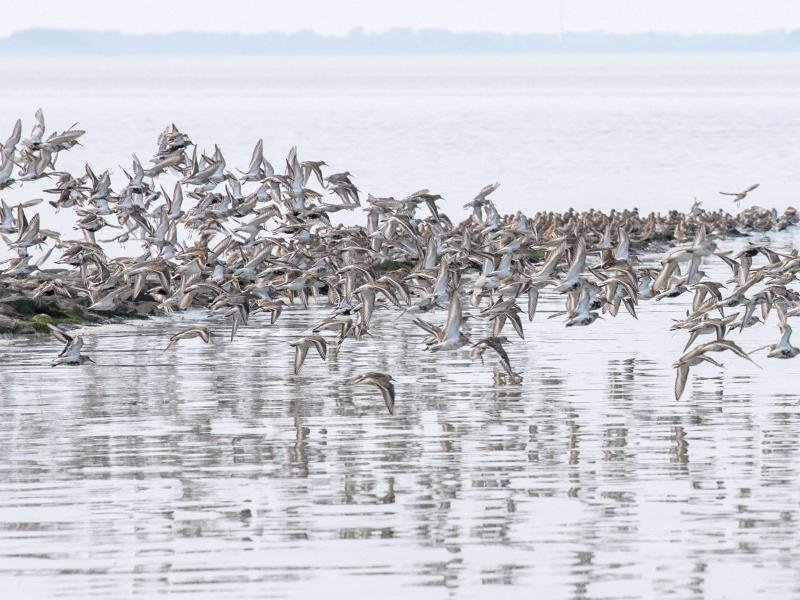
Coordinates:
212 471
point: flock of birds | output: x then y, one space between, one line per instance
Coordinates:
237 242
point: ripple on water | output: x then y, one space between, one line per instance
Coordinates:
213 470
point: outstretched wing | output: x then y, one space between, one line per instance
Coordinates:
387 391
61 335
680 380
452 328
300 351
320 345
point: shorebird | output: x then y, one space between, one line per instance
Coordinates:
449 336
255 170
496 344
71 354
380 380
187 334
579 315
301 347
707 325
739 196
698 355
784 348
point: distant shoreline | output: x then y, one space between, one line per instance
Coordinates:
392 42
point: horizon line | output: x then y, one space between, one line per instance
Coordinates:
415 30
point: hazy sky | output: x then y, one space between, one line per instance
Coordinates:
339 16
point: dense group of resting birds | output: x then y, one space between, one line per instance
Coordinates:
261 238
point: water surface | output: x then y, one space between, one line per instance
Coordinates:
557 131
214 471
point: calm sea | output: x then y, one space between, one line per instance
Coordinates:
213 472
651 131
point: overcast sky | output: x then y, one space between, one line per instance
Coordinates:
339 16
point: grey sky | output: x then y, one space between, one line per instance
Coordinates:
339 16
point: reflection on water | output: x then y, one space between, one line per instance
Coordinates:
213 470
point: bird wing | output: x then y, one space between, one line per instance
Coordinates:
497 346
708 359
735 267
552 260
579 261
61 335
662 280
694 266
257 157
320 344
516 322
748 312
734 347
533 301
681 377
72 353
300 351
452 327
432 329
387 390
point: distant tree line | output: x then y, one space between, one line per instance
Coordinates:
393 41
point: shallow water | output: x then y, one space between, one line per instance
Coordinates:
212 470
